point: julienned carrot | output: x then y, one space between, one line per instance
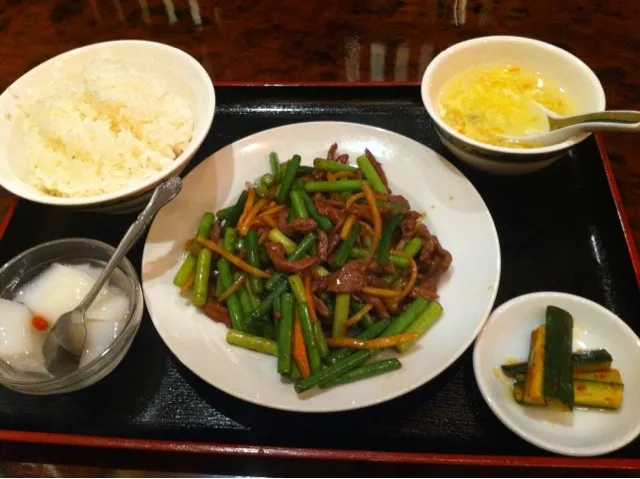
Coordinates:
233 259
381 292
413 275
353 198
271 209
299 349
251 196
270 221
260 222
346 228
309 295
188 283
377 223
378 343
233 288
358 316
245 223
331 176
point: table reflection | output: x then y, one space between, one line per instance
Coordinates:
348 40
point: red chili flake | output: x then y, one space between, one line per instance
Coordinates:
582 387
39 323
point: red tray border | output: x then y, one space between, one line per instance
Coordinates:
13 202
622 214
553 462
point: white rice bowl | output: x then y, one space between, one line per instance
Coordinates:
184 76
104 130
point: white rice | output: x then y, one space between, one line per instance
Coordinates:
111 127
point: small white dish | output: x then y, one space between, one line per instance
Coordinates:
571 73
455 213
181 71
584 432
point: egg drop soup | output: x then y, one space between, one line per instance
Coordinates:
486 102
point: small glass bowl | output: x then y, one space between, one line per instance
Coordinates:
32 262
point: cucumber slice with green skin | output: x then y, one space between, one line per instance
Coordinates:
512 370
611 376
583 361
587 393
534 377
598 394
592 360
558 361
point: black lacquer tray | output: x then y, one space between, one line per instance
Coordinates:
560 229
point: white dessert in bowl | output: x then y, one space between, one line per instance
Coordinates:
44 282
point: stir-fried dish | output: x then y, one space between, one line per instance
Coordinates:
321 266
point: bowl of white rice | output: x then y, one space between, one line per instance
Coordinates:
97 128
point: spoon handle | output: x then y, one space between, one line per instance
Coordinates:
610 120
164 193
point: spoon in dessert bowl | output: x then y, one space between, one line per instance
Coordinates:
562 128
65 343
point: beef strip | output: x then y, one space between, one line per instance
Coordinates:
299 225
217 312
332 152
426 293
344 158
303 225
334 240
276 254
376 268
427 251
348 279
423 231
425 287
321 308
407 228
378 306
318 283
216 232
318 175
323 246
328 201
375 281
398 200
361 211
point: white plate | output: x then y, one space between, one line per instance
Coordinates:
456 214
583 432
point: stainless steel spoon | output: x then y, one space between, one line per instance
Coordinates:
563 128
65 343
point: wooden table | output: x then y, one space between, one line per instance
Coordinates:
346 41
